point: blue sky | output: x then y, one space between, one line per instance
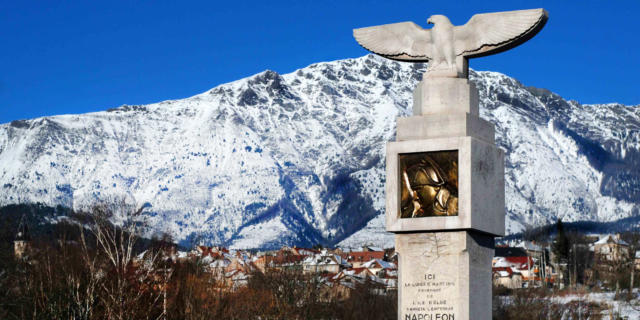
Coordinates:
80 56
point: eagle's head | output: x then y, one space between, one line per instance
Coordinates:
438 18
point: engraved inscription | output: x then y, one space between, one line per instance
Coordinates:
429 284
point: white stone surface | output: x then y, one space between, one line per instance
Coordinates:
445 96
480 186
446 46
444 125
444 275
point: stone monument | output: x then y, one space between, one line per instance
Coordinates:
445 175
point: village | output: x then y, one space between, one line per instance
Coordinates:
602 261
516 264
288 280
338 271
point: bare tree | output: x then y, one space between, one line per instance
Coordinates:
633 239
85 281
116 228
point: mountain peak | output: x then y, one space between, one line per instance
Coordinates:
298 158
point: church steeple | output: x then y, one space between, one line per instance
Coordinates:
22 240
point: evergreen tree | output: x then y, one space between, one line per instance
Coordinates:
561 244
560 249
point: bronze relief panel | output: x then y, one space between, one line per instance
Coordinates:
429 184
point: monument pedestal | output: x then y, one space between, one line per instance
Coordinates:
445 175
444 275
445 202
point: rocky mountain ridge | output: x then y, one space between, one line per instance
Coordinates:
299 158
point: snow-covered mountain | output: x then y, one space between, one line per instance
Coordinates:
299 158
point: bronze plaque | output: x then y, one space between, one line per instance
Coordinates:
429 184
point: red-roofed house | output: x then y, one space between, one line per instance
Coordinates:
507 277
357 259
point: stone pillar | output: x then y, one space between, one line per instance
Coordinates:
445 202
444 275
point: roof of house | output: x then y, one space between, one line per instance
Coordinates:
529 246
220 263
611 239
356 271
325 259
363 256
305 251
389 273
378 263
505 271
521 263
510 252
282 260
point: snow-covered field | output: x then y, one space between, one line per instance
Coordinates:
622 308
568 306
630 310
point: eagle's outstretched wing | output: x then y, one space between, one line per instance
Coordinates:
404 41
491 33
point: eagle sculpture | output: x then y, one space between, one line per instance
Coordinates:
446 47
